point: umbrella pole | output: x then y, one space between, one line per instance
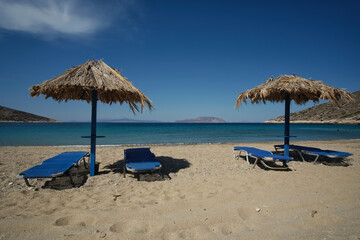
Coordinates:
287 125
93 133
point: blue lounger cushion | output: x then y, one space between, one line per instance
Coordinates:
139 155
54 166
140 160
262 153
46 170
330 153
68 157
142 166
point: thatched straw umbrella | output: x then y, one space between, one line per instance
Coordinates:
291 87
93 81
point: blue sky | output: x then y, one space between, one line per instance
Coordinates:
191 58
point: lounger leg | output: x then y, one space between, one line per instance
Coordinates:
302 157
77 171
317 157
124 172
247 159
27 183
71 180
284 164
237 156
86 165
234 155
257 159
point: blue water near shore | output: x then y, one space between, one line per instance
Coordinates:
69 134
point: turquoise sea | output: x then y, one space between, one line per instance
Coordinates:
69 134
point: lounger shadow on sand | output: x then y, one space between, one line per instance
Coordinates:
169 165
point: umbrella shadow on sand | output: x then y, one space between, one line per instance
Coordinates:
169 165
78 179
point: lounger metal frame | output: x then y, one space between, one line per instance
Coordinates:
247 154
307 152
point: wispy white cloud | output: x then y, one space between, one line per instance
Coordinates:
57 17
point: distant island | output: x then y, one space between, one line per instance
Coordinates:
202 120
342 113
129 120
194 120
12 115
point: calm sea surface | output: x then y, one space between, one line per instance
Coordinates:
69 134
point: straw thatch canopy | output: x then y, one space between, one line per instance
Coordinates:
79 82
301 90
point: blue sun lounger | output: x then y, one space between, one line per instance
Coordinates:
139 160
314 151
55 166
261 155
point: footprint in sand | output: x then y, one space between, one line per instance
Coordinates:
50 211
226 229
133 226
63 221
245 214
79 221
12 204
118 227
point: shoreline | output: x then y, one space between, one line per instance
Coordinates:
179 144
215 123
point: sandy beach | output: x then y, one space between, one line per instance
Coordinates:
206 194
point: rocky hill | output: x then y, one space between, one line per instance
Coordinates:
202 120
344 113
12 115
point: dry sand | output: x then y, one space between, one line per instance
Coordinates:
209 195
